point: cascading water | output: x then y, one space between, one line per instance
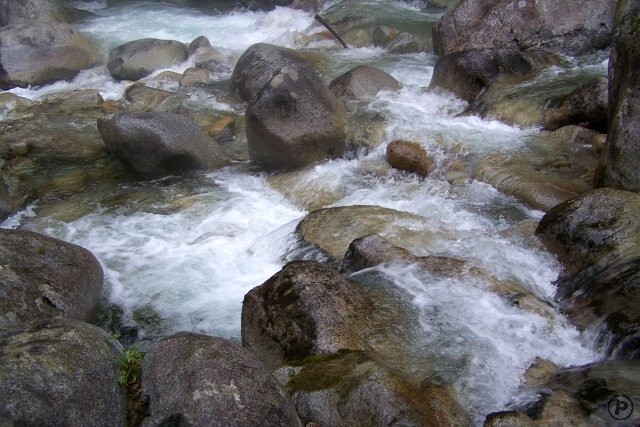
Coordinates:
185 261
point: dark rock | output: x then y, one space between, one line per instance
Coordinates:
466 73
336 390
409 156
61 372
369 251
508 419
404 43
139 58
306 309
42 277
258 65
383 35
581 230
585 106
159 143
362 82
622 159
569 28
22 11
295 120
43 52
199 43
211 381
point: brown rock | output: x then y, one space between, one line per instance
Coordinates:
409 156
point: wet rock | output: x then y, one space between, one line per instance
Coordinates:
621 162
42 277
466 73
20 12
508 419
333 229
586 106
199 43
581 230
404 43
338 389
212 60
568 28
295 120
195 77
201 380
384 35
579 135
156 144
369 251
362 82
365 132
596 237
43 52
10 102
409 156
539 373
306 309
60 372
257 66
141 98
139 58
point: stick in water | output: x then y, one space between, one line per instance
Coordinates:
331 30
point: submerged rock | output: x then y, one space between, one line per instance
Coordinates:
336 390
60 372
304 310
409 156
43 52
294 120
586 106
383 35
199 43
622 156
194 379
404 43
156 144
362 82
42 278
139 58
141 98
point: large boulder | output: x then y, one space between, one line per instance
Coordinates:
336 390
257 66
466 73
362 82
139 58
20 11
60 372
194 379
596 238
42 277
622 159
43 52
159 143
586 106
295 120
306 309
570 28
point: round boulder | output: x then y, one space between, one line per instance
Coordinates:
139 58
194 379
295 120
43 52
159 143
61 372
362 82
409 156
305 309
42 277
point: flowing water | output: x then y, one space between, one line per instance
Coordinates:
181 256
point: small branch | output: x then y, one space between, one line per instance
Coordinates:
331 30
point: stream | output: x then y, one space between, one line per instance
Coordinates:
180 254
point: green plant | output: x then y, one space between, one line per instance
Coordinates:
130 366
635 24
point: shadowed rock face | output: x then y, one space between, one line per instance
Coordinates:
293 119
622 158
139 58
60 372
42 278
43 52
159 143
201 380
